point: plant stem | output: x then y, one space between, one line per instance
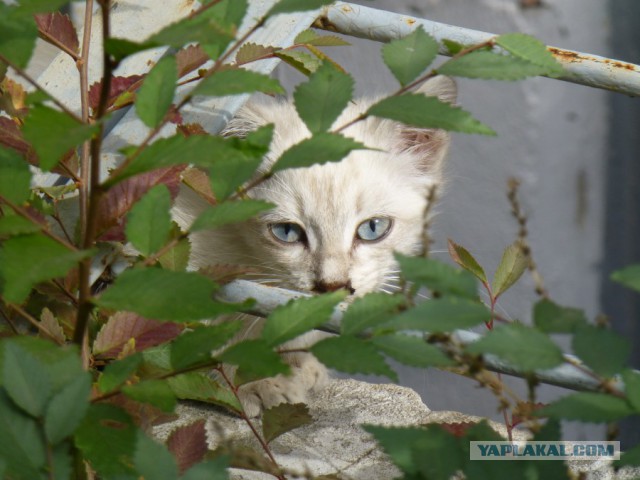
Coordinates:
34 322
54 41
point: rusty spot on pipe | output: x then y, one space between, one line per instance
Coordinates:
410 21
573 57
346 8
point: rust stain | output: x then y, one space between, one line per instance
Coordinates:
618 64
347 9
574 57
410 21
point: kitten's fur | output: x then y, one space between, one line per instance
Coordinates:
329 201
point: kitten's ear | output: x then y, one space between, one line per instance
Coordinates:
429 145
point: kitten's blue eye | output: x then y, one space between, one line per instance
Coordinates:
373 229
287 232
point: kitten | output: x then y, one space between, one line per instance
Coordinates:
335 226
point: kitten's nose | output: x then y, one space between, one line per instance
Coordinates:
324 287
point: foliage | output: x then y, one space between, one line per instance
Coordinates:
103 360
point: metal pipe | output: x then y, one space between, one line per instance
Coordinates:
383 26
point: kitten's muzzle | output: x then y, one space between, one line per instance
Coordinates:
325 287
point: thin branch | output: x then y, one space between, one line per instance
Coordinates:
54 41
66 292
34 322
152 259
12 325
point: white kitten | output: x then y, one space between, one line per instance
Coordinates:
334 226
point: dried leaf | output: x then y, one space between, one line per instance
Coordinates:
50 323
250 52
198 181
118 86
188 129
12 98
284 418
11 136
190 58
119 200
525 410
123 326
188 444
457 429
57 28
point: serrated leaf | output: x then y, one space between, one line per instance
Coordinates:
52 325
588 407
410 350
177 258
463 257
512 265
203 388
188 444
30 259
530 49
149 222
438 276
310 37
521 346
409 56
67 408
118 87
52 134
118 372
250 52
58 27
228 213
190 58
107 439
441 315
154 392
18 35
11 225
428 112
438 454
352 355
489 65
155 96
236 81
319 149
301 61
299 316
632 387
151 292
196 346
62 461
283 418
256 359
452 47
15 177
25 380
603 350
369 311
629 277
152 459
287 6
321 99
210 470
552 318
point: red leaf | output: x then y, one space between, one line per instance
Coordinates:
188 129
118 201
124 326
144 415
11 136
457 429
190 58
188 444
57 28
174 115
118 86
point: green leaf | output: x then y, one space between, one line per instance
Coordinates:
256 359
21 442
154 97
463 257
489 65
452 47
120 48
228 213
530 49
195 347
319 149
283 418
210 470
322 99
369 311
177 258
310 37
30 259
107 439
287 6
203 388
301 61
155 392
149 221
438 454
352 355
53 134
25 379
629 277
67 409
236 81
152 293
18 35
299 316
62 461
118 372
588 407
428 112
408 57
632 387
521 346
15 177
30 7
397 442
603 350
441 315
630 457
552 318
512 266
410 350
153 461
438 276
